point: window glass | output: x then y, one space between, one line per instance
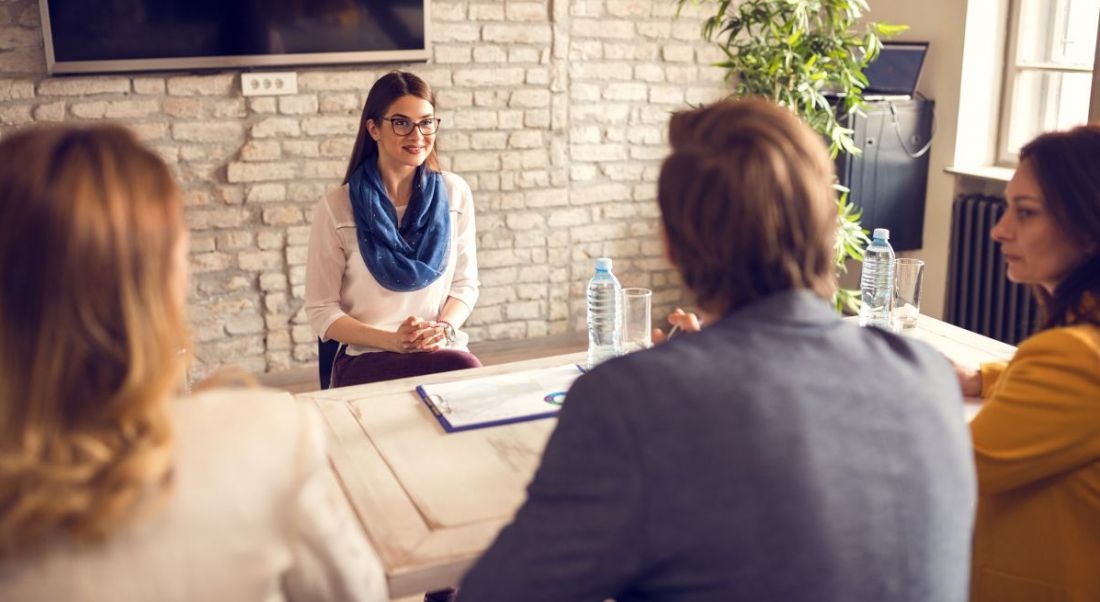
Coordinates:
1049 81
1047 100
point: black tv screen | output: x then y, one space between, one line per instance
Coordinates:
84 36
896 70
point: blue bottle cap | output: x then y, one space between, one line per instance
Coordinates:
603 264
881 234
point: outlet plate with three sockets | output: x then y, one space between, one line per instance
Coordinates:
269 83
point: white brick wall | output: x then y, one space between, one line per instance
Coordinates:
554 112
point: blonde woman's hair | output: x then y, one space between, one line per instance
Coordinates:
91 328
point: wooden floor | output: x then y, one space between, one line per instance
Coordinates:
300 380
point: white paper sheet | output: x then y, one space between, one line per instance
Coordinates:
490 400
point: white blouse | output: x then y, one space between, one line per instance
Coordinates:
338 282
254 513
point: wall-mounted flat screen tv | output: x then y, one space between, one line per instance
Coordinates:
97 36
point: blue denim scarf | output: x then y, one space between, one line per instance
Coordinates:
414 255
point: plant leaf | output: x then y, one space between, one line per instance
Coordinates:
795 52
887 30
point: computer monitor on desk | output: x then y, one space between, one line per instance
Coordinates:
894 74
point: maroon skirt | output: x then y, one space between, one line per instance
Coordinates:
350 370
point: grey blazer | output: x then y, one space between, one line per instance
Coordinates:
780 454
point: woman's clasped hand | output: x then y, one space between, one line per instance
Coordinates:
416 335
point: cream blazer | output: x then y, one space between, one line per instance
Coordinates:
255 514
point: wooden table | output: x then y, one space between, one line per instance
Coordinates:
965 347
432 502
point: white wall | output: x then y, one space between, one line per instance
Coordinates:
1094 102
942 23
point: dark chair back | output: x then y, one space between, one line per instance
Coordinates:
326 355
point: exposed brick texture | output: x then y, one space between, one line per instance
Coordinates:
554 112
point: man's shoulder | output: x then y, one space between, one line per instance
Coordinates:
894 348
737 357
654 376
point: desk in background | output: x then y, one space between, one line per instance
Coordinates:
431 502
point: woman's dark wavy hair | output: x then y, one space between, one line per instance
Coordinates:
383 93
1066 166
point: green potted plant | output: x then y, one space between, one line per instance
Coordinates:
807 55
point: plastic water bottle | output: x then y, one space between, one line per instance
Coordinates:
876 282
603 314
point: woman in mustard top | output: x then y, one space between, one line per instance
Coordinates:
1037 437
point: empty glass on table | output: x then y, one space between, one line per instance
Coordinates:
636 326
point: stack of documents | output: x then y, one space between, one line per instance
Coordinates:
502 399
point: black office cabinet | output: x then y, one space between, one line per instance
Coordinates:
886 181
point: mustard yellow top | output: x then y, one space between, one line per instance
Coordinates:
1037 449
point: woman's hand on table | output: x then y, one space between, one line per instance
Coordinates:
681 321
970 380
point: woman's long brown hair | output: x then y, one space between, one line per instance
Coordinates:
383 93
1067 168
91 328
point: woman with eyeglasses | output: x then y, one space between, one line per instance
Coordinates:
392 271
1037 437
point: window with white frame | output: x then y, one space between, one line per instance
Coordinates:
1049 71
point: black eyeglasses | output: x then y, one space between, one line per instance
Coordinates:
403 126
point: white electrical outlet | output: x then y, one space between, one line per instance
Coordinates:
269 84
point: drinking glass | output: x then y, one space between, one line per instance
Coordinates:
636 328
908 282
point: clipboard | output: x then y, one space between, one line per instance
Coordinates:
501 399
